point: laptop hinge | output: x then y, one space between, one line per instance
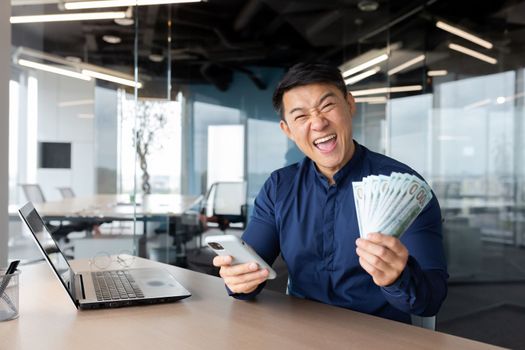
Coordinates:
78 286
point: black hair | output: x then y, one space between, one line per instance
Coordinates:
304 74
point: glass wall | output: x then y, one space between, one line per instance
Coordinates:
95 128
192 107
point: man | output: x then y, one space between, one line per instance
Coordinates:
306 213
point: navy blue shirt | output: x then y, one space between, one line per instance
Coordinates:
313 225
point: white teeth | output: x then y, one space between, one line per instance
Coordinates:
324 139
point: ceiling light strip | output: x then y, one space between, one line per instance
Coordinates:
52 69
22 52
88 16
437 73
406 64
364 75
372 100
365 65
76 103
473 53
386 90
81 5
478 104
463 34
111 78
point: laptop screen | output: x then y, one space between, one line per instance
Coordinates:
48 246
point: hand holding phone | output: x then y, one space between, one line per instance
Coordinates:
239 250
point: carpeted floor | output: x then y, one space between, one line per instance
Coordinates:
502 325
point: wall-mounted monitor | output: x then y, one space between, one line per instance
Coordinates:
54 155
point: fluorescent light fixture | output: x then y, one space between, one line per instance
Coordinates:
80 5
87 16
473 53
371 100
76 103
365 65
406 65
478 104
156 58
437 73
464 34
359 77
453 138
85 116
73 59
112 39
53 69
386 90
506 99
501 100
112 78
124 21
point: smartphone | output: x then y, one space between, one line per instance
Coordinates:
238 249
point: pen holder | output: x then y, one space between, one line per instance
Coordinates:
9 296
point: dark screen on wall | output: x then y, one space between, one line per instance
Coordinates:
55 155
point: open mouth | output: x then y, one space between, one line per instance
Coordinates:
326 144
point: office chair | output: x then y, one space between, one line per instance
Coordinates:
34 194
183 229
424 322
66 192
226 204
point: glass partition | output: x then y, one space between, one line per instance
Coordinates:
68 140
164 101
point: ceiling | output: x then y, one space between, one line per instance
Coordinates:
212 40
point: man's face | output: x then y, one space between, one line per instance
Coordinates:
318 118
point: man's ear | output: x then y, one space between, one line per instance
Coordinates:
351 102
286 129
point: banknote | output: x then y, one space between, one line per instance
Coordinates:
389 204
358 201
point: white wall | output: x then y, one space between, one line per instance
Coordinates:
5 71
66 114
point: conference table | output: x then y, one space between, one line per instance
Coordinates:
117 206
209 319
165 208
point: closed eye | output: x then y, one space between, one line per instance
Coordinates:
328 106
300 116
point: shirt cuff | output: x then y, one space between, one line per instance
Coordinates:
400 285
245 296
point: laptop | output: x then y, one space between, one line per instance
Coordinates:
103 288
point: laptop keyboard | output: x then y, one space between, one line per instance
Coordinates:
115 285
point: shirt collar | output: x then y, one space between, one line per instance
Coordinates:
345 170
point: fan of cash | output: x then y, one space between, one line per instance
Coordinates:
389 204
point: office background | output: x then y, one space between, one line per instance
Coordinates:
449 107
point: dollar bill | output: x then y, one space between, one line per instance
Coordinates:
358 201
400 223
402 201
389 204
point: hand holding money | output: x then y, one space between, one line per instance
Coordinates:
389 204
383 257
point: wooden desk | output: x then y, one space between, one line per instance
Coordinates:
207 320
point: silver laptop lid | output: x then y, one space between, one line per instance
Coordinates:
49 247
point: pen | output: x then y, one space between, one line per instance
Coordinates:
5 282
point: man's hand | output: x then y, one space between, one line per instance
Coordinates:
242 278
383 257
